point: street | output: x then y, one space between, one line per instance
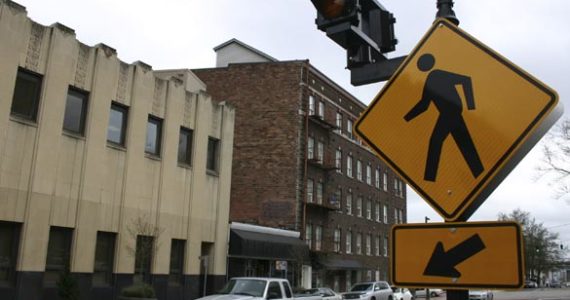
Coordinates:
527 294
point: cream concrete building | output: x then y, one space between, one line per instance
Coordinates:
89 145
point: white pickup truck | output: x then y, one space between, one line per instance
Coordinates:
257 288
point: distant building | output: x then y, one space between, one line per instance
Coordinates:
88 146
298 166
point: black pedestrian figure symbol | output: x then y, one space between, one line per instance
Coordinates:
440 87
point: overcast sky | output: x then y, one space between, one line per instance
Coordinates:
181 34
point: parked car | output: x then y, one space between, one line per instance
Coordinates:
325 292
402 293
529 284
480 295
257 288
377 290
555 284
432 293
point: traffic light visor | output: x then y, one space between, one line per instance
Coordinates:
331 9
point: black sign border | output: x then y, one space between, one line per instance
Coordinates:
421 226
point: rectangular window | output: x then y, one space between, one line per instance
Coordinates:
309 236
368 244
9 243
377 211
336 240
385 214
358 170
319 193
337 196
369 209
349 128
385 246
396 186
377 246
369 175
359 243
318 237
117 129
153 135
395 216
274 289
349 203
401 213
349 242
321 111
104 256
175 276
385 182
185 146
58 253
377 178
311 148
338 121
338 161
311 105
143 258
310 189
27 93
359 206
349 166
213 154
75 111
320 152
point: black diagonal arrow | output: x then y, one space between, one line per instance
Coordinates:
443 263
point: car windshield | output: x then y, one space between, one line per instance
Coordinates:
249 287
361 287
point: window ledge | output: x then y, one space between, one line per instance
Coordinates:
152 156
185 165
212 173
116 146
23 121
73 135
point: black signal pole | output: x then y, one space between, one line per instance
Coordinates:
445 10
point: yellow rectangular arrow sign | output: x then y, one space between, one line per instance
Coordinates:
458 255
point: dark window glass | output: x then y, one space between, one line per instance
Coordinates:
213 145
75 111
274 291
153 135
185 146
59 247
26 95
104 256
117 124
176 262
9 240
143 258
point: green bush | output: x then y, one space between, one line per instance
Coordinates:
138 290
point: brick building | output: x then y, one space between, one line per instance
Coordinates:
298 166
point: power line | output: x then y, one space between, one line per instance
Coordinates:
561 225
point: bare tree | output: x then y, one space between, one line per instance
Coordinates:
556 159
144 244
542 252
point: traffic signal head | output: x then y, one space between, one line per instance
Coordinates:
363 27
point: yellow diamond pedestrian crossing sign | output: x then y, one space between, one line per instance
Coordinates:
456 118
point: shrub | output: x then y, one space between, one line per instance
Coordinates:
138 290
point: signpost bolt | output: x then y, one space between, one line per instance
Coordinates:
453 230
449 192
454 280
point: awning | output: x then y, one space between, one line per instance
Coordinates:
260 245
340 264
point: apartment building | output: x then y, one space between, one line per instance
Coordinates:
298 166
98 158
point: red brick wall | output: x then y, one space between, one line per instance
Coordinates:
268 129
